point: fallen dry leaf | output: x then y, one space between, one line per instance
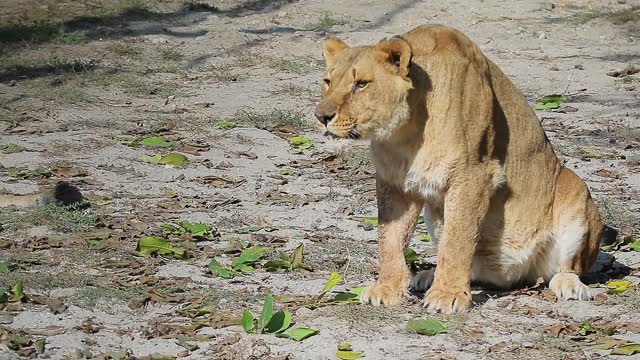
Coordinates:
627 70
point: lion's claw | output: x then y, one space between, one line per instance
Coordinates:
447 301
381 295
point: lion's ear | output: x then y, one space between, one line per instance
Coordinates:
332 48
395 52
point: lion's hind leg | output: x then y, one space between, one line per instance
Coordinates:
576 232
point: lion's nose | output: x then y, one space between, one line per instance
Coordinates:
325 113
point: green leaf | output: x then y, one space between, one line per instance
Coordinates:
334 279
5 267
635 245
301 142
172 229
429 327
115 355
425 237
17 292
626 350
266 314
162 357
174 158
198 230
246 320
10 148
410 256
549 102
618 286
606 343
196 309
280 321
348 354
153 245
420 220
298 255
40 343
3 296
171 158
350 297
155 159
249 256
586 328
225 125
345 352
221 270
370 220
299 334
155 141
275 265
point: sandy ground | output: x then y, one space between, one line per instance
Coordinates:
70 104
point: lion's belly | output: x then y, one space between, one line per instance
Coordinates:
510 261
509 257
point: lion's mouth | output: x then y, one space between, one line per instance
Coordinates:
352 134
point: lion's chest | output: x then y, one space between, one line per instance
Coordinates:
416 175
429 182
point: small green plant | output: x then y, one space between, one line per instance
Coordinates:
549 102
270 119
273 323
288 263
327 22
59 217
301 142
171 54
124 49
242 264
225 124
38 171
586 328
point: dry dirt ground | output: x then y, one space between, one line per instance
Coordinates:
81 81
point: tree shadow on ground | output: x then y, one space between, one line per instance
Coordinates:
130 22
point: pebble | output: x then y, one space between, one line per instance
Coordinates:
6 318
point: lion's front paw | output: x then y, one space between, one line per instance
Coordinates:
382 295
447 301
568 286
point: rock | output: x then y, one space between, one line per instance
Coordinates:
159 40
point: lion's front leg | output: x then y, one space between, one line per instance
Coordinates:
465 207
397 216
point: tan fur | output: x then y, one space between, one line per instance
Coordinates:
450 132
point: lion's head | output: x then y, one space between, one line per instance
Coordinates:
365 89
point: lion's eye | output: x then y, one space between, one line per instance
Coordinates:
327 82
360 84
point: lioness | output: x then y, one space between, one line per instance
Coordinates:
451 134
